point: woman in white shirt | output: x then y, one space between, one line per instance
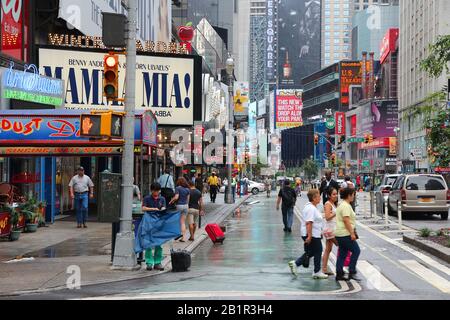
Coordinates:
311 229
329 228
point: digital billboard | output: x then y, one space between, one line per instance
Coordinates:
379 118
289 109
299 37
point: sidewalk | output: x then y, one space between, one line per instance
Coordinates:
52 250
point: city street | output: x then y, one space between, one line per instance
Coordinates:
252 263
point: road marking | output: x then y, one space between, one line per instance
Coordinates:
375 279
417 254
427 275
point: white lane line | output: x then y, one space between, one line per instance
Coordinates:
375 279
415 253
427 275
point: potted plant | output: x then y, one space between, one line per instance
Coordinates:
32 219
42 205
15 229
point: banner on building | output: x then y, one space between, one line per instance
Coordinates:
241 100
271 42
169 86
289 109
153 19
340 123
299 34
379 118
14 28
351 77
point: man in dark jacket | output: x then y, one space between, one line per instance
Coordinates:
327 183
288 196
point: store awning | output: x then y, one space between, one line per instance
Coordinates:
56 132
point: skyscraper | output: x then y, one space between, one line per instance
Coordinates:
258 27
336 31
421 22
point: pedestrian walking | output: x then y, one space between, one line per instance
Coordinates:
298 187
233 187
347 236
181 199
311 231
349 184
199 185
327 183
329 228
213 183
288 198
195 210
268 185
81 188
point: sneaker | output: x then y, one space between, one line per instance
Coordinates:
149 268
329 273
289 230
320 276
293 268
159 267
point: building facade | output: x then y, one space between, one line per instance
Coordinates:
256 60
367 35
421 22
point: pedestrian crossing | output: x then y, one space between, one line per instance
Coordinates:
375 279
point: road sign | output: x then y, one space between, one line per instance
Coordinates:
356 140
330 123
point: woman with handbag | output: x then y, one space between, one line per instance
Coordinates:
181 199
346 235
330 228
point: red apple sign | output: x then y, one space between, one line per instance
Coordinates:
186 33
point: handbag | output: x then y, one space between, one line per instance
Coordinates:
168 194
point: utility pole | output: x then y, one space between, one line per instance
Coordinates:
230 140
124 256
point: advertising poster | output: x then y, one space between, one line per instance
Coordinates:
351 77
299 37
340 124
379 118
241 100
14 27
289 108
167 86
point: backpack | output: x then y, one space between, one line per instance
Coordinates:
288 197
168 194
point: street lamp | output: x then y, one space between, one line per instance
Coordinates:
230 140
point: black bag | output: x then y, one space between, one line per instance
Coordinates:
181 261
168 194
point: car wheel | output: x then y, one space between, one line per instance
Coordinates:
444 216
390 210
255 191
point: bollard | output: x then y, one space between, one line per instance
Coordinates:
386 214
400 222
372 204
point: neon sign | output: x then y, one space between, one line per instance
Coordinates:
28 85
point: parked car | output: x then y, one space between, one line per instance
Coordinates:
253 187
420 193
382 191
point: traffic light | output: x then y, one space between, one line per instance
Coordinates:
341 139
333 159
111 76
105 124
366 139
370 138
316 139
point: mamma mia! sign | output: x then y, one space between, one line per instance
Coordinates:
166 85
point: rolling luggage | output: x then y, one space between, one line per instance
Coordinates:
181 261
215 233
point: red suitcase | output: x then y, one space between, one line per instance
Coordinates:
215 233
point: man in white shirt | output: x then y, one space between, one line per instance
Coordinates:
311 231
81 188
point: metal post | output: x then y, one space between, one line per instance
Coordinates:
372 204
124 256
230 143
400 220
386 214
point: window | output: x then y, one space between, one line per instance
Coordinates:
428 183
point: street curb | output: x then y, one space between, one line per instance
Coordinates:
432 248
202 237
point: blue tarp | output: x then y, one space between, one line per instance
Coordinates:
157 229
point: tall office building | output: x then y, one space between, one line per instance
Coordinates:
241 36
364 4
336 31
257 49
421 22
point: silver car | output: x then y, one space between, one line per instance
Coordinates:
420 193
382 191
